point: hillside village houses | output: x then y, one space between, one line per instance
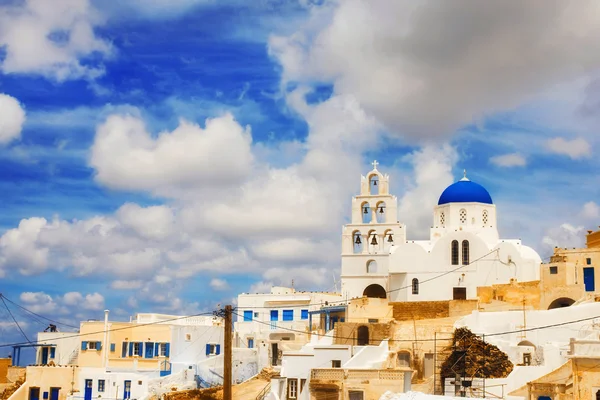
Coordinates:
388 330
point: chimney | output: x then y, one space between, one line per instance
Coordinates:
105 343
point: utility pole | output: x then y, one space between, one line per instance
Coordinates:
227 355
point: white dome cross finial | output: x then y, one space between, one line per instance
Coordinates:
375 164
464 175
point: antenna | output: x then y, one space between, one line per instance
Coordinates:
335 282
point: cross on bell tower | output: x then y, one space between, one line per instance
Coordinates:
375 164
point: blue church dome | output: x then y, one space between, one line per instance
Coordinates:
465 191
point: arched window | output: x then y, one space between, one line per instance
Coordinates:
463 216
442 219
465 252
365 211
415 286
380 212
372 267
374 184
454 252
484 217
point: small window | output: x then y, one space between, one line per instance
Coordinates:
288 315
454 251
247 316
162 349
553 270
188 337
212 349
137 348
372 267
355 395
588 261
304 314
91 345
415 286
484 217
255 315
442 219
465 252
373 320
101 385
140 382
463 216
336 363
292 388
113 347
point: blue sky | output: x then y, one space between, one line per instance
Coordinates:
118 193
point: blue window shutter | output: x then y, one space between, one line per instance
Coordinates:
149 353
156 347
83 345
52 352
288 315
167 349
112 347
130 349
98 346
304 314
218 349
207 349
247 316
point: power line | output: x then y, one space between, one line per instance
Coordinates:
13 318
37 315
113 330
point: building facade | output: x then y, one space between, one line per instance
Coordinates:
464 247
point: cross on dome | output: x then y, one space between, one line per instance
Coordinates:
375 164
464 178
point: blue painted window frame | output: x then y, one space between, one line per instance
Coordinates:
304 314
247 316
288 315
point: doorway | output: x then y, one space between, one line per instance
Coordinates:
127 390
274 353
87 395
459 293
54 393
44 355
588 279
362 338
34 393
428 365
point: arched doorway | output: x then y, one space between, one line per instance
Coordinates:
561 302
404 359
375 291
362 338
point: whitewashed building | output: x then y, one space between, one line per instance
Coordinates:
378 260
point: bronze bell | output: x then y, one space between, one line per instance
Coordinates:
380 209
374 183
366 210
390 238
374 241
358 241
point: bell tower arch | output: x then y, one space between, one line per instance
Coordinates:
374 219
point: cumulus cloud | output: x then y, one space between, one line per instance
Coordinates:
424 69
566 235
12 118
575 148
51 38
509 160
126 156
432 171
94 301
219 284
591 210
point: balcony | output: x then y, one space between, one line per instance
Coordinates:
338 374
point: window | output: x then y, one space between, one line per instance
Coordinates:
484 217
442 219
255 315
372 267
250 343
415 286
124 350
52 352
304 314
336 363
465 252
288 315
101 385
373 320
163 349
91 345
188 337
463 216
137 348
553 270
588 261
355 395
113 347
247 316
213 349
455 252
292 388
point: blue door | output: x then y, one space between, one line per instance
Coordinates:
44 355
54 393
127 391
88 390
34 393
588 279
250 343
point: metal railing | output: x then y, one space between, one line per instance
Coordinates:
263 393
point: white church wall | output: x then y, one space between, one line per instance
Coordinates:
188 344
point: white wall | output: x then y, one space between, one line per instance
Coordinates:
186 352
114 383
67 345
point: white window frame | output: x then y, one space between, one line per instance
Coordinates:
162 349
91 345
213 349
292 388
137 346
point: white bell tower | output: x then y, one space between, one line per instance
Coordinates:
368 238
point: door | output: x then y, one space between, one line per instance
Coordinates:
88 390
127 390
34 393
428 367
355 395
459 293
44 355
274 353
250 343
588 279
54 393
274 318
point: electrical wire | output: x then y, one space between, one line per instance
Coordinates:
37 315
13 318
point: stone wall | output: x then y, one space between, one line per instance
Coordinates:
4 364
421 310
347 332
513 293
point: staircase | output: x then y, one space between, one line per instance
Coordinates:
74 356
263 393
202 384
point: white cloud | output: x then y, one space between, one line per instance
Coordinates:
509 160
126 284
42 303
12 118
406 62
20 249
125 156
432 169
591 210
219 284
93 302
155 222
50 38
575 149
566 235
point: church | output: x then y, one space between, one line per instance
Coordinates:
464 250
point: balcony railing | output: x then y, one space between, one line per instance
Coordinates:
338 374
